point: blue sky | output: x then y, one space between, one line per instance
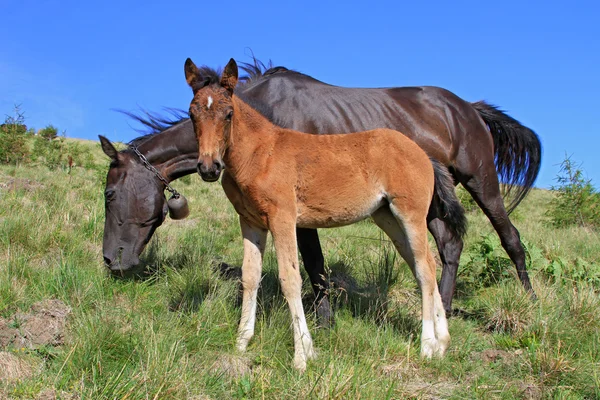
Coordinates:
70 62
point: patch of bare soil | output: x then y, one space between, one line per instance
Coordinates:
232 366
8 334
493 355
43 325
530 391
413 383
12 367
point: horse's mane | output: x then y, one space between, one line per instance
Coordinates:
154 123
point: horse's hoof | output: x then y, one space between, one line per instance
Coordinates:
300 364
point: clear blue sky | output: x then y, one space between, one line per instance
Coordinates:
70 62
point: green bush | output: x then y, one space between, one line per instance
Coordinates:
49 132
487 264
55 153
577 203
13 132
49 152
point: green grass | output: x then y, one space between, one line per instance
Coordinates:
172 336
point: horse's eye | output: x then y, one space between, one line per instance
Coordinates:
109 195
229 115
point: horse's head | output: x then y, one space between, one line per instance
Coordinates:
211 112
135 206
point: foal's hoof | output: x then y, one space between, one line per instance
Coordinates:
300 364
300 360
242 345
429 348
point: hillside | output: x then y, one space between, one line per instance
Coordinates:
69 330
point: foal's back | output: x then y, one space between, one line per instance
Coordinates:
340 179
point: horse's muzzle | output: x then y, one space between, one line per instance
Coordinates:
118 265
209 172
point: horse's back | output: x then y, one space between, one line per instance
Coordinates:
432 116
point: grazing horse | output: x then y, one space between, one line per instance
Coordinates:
279 179
475 141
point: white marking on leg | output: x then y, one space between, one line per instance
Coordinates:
441 324
428 341
210 101
248 321
303 345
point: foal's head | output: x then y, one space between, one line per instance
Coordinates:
211 112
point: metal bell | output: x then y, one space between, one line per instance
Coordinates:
178 207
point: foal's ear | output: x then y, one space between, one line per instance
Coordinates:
192 75
230 76
108 148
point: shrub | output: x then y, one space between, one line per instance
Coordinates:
576 202
49 132
49 153
487 264
13 146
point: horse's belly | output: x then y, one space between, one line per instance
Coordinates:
331 214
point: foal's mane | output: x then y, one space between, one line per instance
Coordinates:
153 123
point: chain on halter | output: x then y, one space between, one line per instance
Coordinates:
150 167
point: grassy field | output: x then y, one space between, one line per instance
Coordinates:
69 331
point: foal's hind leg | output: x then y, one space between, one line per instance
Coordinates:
283 229
410 238
254 247
486 193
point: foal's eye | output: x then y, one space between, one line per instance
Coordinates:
229 115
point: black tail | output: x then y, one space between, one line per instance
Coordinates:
448 205
518 152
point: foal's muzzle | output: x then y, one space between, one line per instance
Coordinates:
210 171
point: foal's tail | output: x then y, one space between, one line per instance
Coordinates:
448 205
518 151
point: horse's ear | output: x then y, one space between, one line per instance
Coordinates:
230 76
108 148
192 75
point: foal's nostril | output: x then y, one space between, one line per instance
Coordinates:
107 261
218 166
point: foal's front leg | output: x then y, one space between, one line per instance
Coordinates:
254 246
283 228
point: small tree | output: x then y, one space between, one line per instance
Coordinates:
13 147
49 132
576 202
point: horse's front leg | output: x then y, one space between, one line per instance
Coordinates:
254 246
283 228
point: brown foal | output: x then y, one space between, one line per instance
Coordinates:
279 179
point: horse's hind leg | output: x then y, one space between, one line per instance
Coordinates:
410 239
314 264
283 229
254 247
449 247
486 193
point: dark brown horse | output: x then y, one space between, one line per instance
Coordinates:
476 141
